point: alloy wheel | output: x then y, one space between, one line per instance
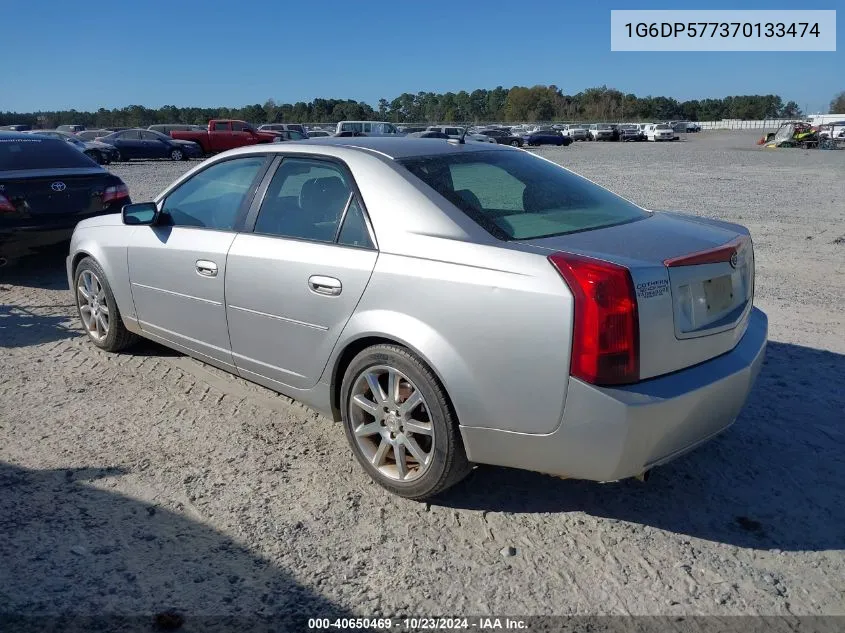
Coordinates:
93 308
391 423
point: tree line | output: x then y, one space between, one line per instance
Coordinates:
517 104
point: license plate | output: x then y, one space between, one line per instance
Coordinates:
719 294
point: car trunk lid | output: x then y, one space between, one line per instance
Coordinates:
45 196
693 278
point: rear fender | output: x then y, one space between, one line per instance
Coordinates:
442 357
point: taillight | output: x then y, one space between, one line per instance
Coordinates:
606 332
115 192
5 205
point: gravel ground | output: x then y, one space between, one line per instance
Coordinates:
146 481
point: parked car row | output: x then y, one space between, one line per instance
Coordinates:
607 131
100 153
177 141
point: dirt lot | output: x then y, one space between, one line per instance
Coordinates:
144 481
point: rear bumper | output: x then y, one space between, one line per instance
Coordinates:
613 433
18 243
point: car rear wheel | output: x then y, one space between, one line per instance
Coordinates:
176 154
97 308
399 423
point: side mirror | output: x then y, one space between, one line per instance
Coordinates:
140 213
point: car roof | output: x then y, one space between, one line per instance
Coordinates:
396 147
11 135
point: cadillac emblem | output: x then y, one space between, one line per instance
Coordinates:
734 259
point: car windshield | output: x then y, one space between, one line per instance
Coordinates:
37 153
518 196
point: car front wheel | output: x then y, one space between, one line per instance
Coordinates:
97 308
176 154
399 423
515 143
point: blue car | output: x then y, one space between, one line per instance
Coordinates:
137 143
546 137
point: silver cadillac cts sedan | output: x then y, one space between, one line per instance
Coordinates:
452 304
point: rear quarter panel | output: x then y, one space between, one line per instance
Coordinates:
493 324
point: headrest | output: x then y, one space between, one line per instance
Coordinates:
327 195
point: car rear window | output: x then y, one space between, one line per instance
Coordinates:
37 153
518 196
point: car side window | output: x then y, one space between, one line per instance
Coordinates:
305 199
354 231
237 126
221 126
149 136
212 198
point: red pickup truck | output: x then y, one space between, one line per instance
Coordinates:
223 134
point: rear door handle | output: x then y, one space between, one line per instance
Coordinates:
325 285
206 268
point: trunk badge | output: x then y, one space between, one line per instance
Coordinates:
58 186
734 259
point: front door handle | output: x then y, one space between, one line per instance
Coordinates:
325 285
206 268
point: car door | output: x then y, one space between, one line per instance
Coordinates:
219 136
294 281
130 144
240 134
177 267
154 147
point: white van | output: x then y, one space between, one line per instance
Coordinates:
660 132
370 128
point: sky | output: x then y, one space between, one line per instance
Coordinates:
110 54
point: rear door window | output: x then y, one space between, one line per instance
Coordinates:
305 199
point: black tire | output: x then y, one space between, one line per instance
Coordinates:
449 463
515 143
118 337
177 154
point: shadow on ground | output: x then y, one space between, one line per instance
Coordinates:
775 480
72 550
43 269
23 326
